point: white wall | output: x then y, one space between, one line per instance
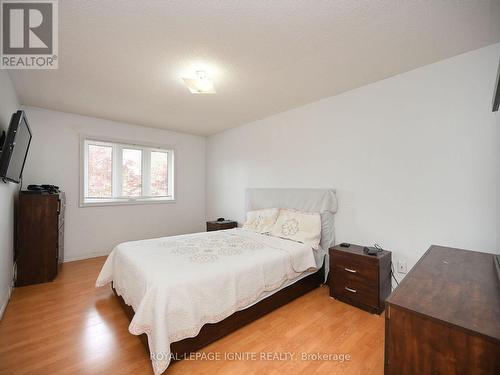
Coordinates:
412 158
90 231
8 105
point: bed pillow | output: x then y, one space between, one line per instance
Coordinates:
299 226
261 221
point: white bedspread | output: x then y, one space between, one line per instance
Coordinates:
177 284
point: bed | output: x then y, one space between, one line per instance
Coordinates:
183 292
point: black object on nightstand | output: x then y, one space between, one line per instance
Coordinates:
220 225
360 279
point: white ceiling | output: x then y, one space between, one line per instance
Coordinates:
123 60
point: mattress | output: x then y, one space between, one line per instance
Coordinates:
178 284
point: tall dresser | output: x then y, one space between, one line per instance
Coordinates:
444 318
40 237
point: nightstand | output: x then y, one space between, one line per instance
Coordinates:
220 225
359 279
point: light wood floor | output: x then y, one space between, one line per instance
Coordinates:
69 327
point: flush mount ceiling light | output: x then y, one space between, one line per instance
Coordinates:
201 84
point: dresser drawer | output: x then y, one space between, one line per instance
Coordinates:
355 265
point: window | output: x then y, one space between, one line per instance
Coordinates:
121 173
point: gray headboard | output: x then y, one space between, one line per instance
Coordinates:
313 200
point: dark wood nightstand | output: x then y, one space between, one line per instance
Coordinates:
220 225
359 279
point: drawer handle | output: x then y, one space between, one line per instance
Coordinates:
350 290
350 270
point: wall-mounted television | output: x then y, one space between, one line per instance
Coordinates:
15 148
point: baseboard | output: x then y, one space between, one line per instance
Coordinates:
86 256
4 303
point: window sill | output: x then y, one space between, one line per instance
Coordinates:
124 202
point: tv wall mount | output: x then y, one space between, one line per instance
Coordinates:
2 141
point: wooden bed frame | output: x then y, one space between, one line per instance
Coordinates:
213 331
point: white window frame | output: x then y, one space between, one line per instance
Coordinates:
118 145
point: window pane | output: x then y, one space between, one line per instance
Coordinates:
159 175
131 173
99 169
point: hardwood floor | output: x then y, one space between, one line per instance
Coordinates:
69 327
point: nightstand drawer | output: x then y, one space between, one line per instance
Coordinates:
356 296
364 269
345 275
355 289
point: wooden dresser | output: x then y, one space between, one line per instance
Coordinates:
444 318
40 237
359 279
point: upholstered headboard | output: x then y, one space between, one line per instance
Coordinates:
323 201
313 200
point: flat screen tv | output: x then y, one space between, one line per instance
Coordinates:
15 148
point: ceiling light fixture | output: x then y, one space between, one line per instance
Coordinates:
201 84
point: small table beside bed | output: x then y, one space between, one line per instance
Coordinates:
184 292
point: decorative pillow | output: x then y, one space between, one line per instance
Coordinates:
299 226
261 221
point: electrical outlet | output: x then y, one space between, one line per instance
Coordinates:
402 268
